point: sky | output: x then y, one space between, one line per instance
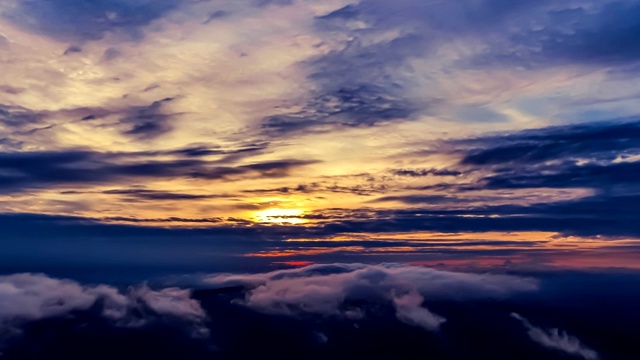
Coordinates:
421 130
158 138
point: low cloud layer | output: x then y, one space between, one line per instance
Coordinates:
32 297
335 289
320 312
557 340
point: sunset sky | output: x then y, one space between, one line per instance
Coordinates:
319 179
291 130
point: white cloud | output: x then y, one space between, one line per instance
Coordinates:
327 289
28 297
557 340
409 310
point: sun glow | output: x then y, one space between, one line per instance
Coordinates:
280 216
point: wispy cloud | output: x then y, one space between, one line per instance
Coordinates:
557 340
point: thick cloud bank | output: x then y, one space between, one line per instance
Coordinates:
337 289
557 340
333 311
30 297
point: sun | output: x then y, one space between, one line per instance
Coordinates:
280 216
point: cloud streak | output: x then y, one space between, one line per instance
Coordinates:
35 169
557 340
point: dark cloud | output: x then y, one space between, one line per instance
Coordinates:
8 89
263 3
349 106
9 144
85 20
111 54
19 117
147 122
236 153
215 16
425 172
142 122
366 189
604 177
146 194
600 35
168 220
597 215
22 170
366 78
598 141
72 50
425 199
579 156
597 156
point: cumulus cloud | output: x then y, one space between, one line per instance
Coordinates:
409 310
334 289
28 297
557 340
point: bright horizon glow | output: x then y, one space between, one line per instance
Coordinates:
280 216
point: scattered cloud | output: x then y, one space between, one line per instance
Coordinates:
29 297
557 340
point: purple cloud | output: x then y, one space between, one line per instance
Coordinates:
557 340
330 290
29 297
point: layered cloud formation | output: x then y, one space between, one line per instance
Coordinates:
333 289
326 310
149 138
31 297
261 132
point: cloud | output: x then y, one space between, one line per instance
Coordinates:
424 199
567 176
333 289
151 195
557 340
148 122
597 141
21 170
18 117
71 20
409 310
589 34
596 155
367 187
425 172
353 106
29 297
142 122
171 302
607 215
595 165
391 62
